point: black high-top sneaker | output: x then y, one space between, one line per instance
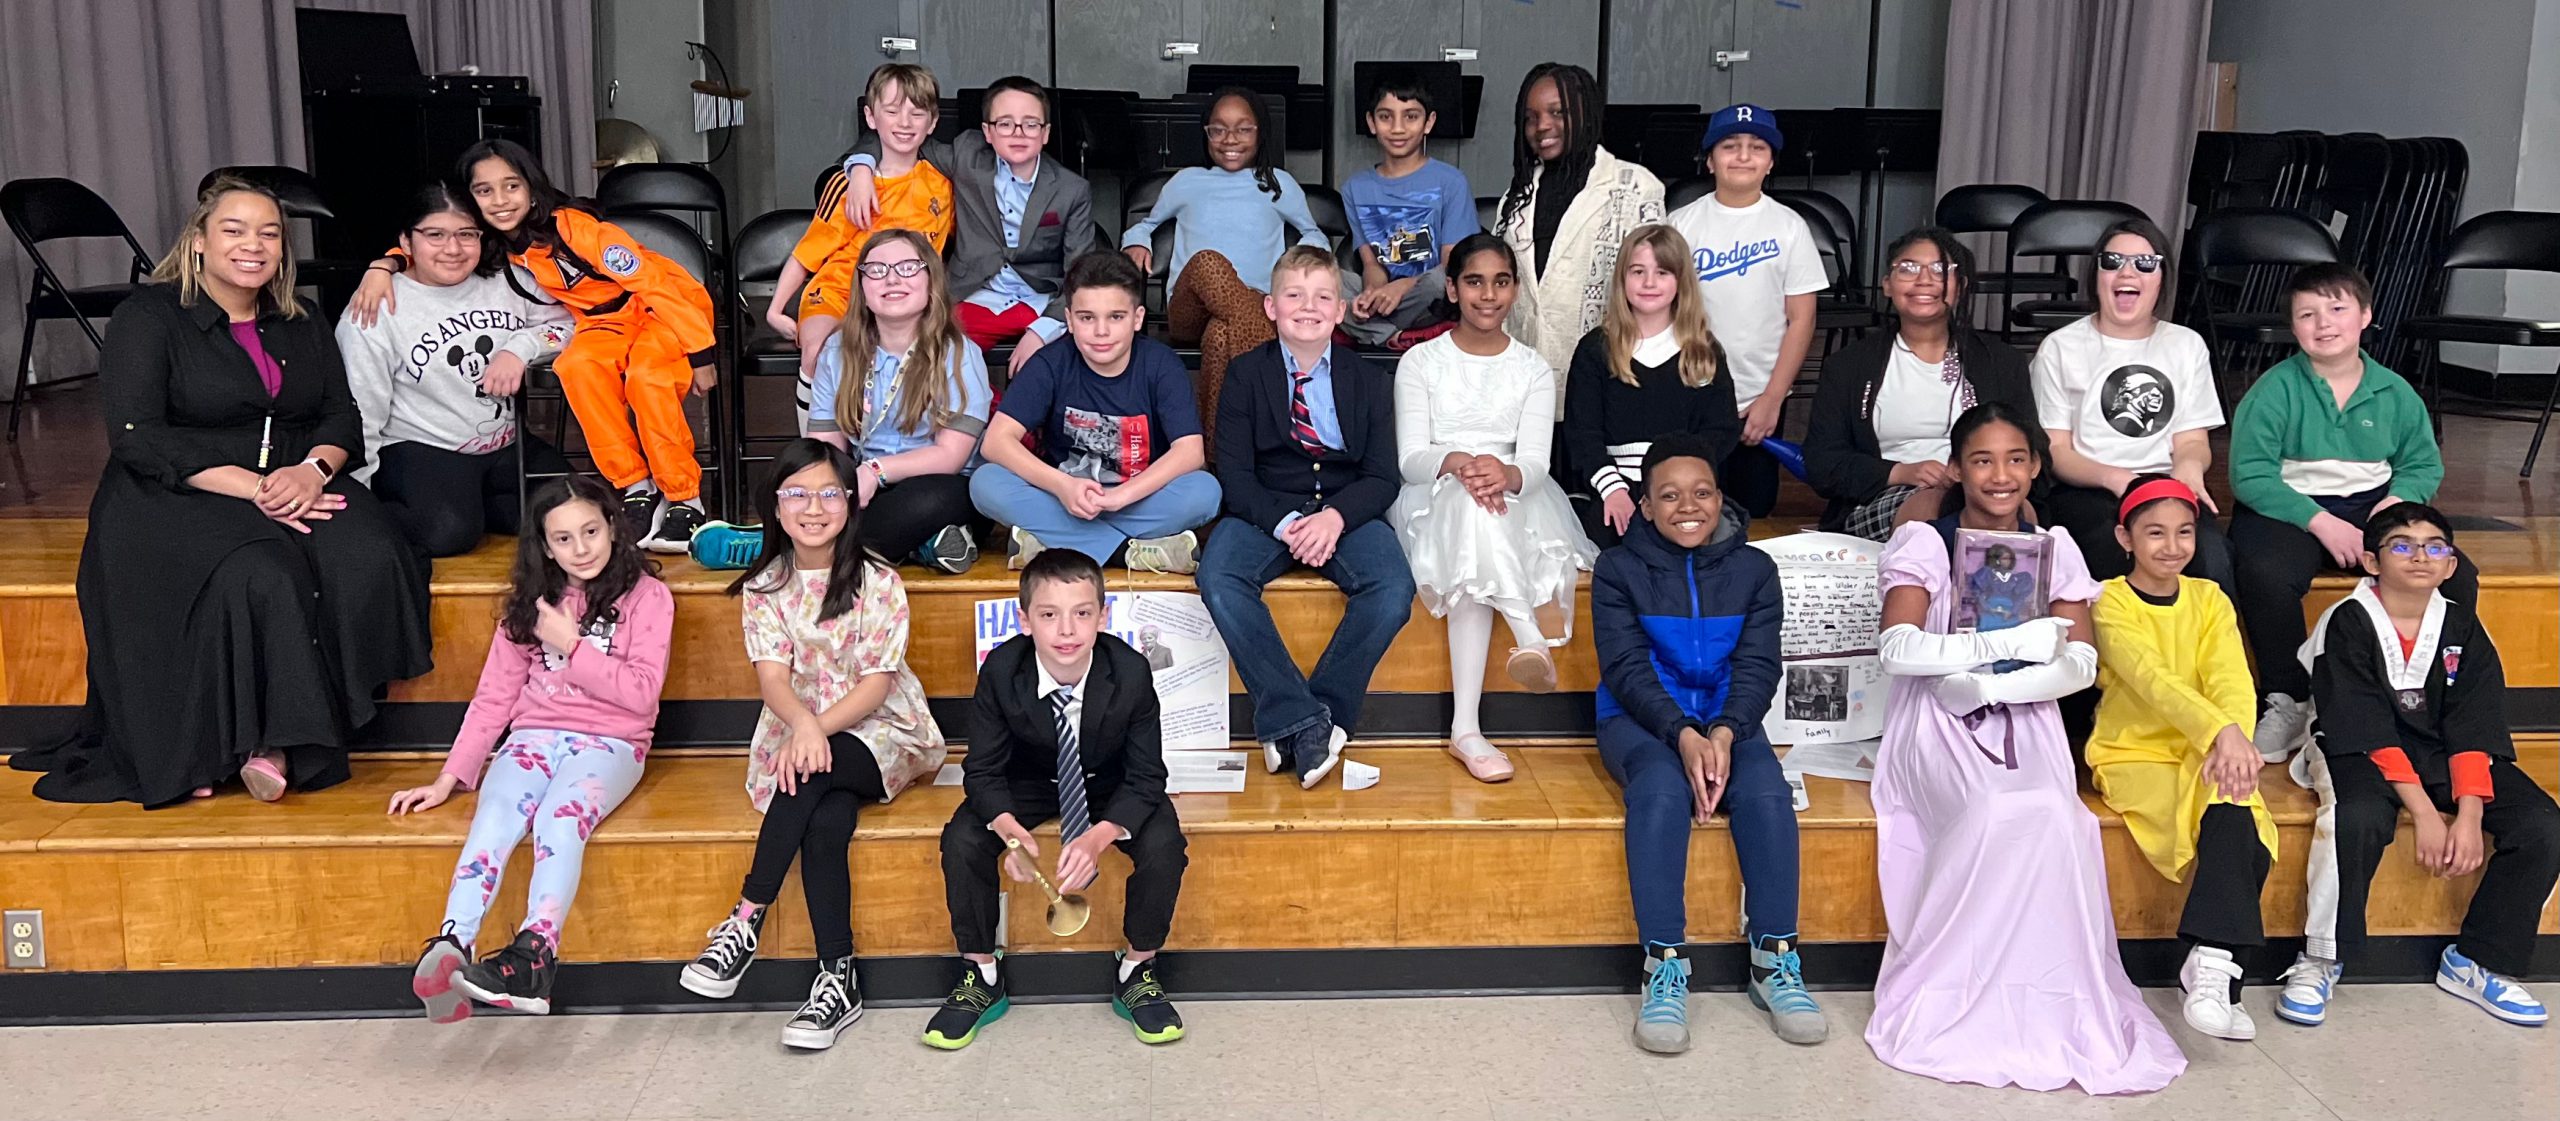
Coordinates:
733 947
835 1002
517 978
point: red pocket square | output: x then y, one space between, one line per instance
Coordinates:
1049 218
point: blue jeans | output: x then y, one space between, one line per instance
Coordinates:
1368 565
1188 502
1762 812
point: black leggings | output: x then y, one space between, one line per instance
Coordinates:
2225 879
2282 559
1749 477
816 822
904 513
446 500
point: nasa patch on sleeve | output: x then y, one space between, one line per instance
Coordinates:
620 260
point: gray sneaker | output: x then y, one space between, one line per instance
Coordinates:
1178 555
1662 1023
1777 987
2284 728
950 551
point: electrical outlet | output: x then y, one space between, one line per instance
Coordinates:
25 941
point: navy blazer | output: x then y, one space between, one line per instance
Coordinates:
1266 475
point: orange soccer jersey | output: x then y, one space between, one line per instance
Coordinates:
919 200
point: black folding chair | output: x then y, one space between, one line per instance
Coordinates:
764 243
1140 198
1991 208
2517 241
51 209
681 188
1684 191
2241 261
1326 204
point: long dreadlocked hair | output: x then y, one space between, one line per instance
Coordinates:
1579 93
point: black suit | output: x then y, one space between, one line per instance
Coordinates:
1262 470
1012 768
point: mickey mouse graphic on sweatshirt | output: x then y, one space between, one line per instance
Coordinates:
417 372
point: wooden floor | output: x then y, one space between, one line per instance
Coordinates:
1428 858
42 652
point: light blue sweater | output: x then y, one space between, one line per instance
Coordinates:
1228 212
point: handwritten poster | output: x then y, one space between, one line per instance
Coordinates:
1172 630
1833 689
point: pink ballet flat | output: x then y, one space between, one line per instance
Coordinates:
264 777
1483 760
1532 668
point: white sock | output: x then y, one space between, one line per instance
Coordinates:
644 486
986 970
695 502
1129 966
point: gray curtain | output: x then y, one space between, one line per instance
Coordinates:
137 99
2084 99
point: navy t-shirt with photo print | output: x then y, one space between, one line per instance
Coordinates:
1107 429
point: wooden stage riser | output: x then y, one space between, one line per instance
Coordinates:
652 901
43 656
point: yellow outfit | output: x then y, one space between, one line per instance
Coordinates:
2174 677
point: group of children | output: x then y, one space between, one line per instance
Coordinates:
1448 482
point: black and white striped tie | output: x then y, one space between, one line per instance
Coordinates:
1074 815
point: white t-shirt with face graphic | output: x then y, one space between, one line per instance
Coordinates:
2122 399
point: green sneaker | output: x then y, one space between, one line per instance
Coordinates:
1141 1001
973 1004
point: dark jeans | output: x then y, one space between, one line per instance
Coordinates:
904 513
2521 826
1761 809
972 882
816 822
2088 514
1368 565
2224 881
445 500
1749 478
2282 559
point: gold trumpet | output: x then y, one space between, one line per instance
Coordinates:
1067 913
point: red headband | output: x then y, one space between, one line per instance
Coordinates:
2156 488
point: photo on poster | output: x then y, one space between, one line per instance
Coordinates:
1816 692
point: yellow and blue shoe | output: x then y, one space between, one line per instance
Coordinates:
1142 1002
978 1000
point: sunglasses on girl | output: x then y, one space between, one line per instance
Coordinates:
877 270
2141 262
799 498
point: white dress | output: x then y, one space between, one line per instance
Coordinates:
1448 400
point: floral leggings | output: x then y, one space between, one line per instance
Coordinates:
559 785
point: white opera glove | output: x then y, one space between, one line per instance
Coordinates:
2075 670
1908 651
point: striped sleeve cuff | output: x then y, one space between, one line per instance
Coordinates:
2395 765
2471 775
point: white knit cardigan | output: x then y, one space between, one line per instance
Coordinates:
1556 308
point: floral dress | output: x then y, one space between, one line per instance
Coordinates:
827 659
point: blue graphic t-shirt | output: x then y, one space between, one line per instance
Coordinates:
1107 429
1749 260
1406 220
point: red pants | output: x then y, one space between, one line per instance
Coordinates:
626 377
992 329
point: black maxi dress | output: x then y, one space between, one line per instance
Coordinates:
214 631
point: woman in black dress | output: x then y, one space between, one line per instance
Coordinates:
244 600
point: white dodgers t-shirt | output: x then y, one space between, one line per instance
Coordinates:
2122 399
1748 261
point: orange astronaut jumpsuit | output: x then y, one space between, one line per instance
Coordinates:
643 324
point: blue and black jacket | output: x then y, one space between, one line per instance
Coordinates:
1687 638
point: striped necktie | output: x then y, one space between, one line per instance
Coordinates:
1075 815
1302 422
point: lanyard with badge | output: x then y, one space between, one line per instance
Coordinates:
871 415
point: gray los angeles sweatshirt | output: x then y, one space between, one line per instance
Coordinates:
416 372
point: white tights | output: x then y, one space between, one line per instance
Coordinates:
1470 636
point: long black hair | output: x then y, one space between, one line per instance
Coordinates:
773 566
547 199
1266 147
440 198
1579 95
538 578
1989 413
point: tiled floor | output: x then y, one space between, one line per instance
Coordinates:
2388 1052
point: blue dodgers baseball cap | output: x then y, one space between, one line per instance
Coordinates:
1746 118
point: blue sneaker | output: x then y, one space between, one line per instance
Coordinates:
1662 1024
2496 994
721 545
1777 987
2305 999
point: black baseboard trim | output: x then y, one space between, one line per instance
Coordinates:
175 996
430 725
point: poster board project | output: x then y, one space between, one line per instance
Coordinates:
1181 645
1832 686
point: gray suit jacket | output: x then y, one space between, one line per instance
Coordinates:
1057 224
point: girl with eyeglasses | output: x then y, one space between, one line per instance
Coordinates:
844 724
436 379
914 409
2123 392
1231 221
1878 445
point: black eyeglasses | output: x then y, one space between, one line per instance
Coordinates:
1911 270
878 270
1009 126
2433 550
2142 262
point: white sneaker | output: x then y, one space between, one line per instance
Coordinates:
2285 728
2307 986
1178 555
2208 977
